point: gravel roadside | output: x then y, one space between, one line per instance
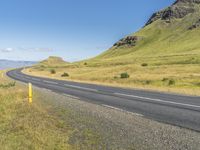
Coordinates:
100 127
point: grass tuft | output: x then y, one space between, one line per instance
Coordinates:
53 71
65 74
124 75
8 85
144 64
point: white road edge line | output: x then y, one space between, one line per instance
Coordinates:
122 110
83 88
158 100
35 79
50 82
71 96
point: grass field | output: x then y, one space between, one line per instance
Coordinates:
51 122
60 122
25 126
161 73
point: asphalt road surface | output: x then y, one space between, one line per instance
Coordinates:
179 110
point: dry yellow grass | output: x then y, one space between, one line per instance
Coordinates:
46 124
25 126
151 77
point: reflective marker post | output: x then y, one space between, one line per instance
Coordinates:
30 93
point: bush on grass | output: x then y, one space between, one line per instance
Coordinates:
65 74
144 64
124 75
53 71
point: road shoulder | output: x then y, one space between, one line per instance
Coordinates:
100 127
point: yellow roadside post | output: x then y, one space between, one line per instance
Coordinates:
30 93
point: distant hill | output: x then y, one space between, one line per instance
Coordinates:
172 31
53 61
8 64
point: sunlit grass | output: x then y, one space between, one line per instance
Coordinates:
155 76
25 126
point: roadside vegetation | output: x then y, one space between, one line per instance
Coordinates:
65 74
53 71
124 75
45 124
61 122
27 126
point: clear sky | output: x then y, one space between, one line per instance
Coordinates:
72 29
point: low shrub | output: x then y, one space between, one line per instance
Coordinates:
53 71
144 64
197 84
124 75
165 79
42 66
85 63
11 84
115 77
148 82
65 74
171 82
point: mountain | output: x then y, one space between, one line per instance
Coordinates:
8 64
173 31
53 61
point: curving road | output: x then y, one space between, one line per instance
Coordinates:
183 111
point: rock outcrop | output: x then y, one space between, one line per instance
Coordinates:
179 9
128 41
187 1
195 25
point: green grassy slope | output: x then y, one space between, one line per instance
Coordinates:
162 39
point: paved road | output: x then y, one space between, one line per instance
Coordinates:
174 109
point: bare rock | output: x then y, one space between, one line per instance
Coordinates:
179 9
128 41
188 1
195 25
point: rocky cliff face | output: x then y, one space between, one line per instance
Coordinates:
188 1
179 9
195 25
171 31
128 41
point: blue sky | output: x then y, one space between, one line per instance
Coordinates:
72 29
